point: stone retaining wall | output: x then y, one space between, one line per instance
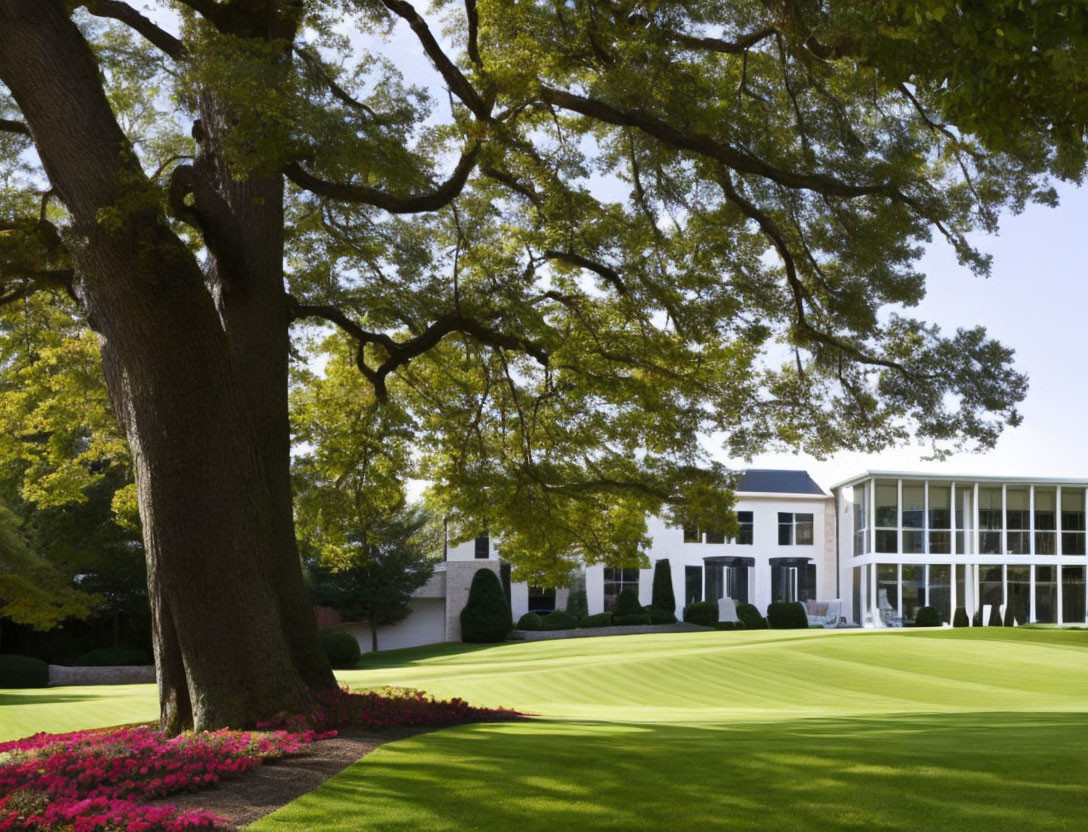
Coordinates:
134 675
636 629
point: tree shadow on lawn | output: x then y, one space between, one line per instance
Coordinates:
973 771
408 656
49 696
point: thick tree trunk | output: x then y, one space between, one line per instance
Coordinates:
209 516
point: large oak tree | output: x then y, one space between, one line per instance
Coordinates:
622 227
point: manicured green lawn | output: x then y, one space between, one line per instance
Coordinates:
986 730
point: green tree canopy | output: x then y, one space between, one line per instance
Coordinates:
617 227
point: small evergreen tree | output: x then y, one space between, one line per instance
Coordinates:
960 618
663 597
995 616
486 616
577 602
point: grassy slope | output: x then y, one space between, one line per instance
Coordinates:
986 729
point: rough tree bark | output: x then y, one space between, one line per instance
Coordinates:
199 390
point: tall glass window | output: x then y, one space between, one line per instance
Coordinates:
914 590
1017 521
1046 521
1072 521
482 547
1019 578
744 528
961 593
887 517
794 529
615 582
940 520
861 518
989 590
989 521
693 584
715 536
1046 594
887 591
964 519
691 535
914 496
1073 594
939 590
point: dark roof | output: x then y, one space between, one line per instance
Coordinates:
778 481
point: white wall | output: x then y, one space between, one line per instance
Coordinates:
425 625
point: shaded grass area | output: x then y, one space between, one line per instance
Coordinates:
910 772
982 729
63 709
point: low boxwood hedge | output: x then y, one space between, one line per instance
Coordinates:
23 672
601 619
729 625
659 616
113 657
750 617
704 613
927 617
530 621
787 615
558 620
630 620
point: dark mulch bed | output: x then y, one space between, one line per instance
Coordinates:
267 787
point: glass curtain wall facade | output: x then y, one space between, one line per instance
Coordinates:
1017 548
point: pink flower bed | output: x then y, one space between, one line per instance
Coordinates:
97 781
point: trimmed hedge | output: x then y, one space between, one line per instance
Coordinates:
787 615
23 672
558 620
704 613
995 616
114 657
1010 616
751 618
663 597
530 621
486 617
960 619
927 617
659 616
627 603
341 648
630 620
601 619
729 625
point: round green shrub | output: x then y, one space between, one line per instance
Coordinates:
601 619
631 620
486 616
113 657
23 672
658 616
927 617
960 619
558 620
341 648
704 613
530 621
627 603
995 616
787 615
751 618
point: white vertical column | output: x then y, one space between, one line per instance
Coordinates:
953 600
871 509
899 516
1060 617
1004 589
1031 593
974 586
1004 518
899 589
1031 519
974 530
1058 519
952 523
925 523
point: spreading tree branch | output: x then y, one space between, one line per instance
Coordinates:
731 47
8 125
132 18
400 353
453 77
393 203
598 268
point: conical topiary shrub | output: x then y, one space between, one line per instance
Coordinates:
577 603
486 617
960 619
627 603
663 598
995 616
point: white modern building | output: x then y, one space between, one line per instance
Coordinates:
907 540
